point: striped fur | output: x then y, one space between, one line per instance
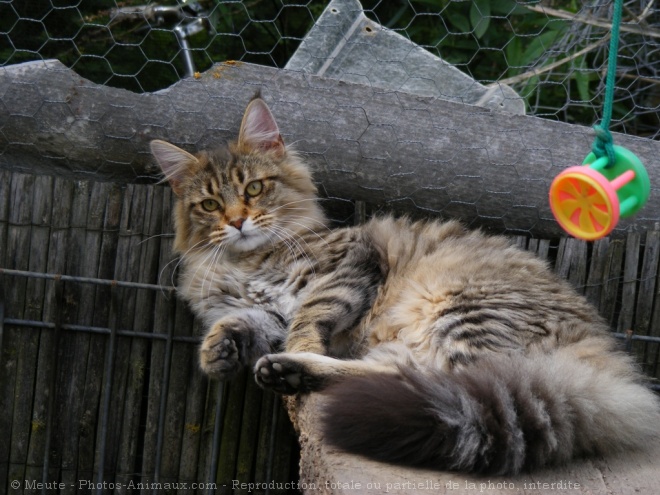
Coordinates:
434 345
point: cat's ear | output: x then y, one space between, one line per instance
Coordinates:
175 163
259 129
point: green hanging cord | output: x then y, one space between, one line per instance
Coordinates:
603 144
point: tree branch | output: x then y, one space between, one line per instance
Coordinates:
562 14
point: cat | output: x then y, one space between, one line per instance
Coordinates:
434 345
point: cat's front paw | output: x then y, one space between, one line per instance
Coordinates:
219 356
286 374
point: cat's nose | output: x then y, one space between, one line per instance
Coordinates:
237 223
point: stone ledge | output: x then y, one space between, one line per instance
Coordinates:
327 471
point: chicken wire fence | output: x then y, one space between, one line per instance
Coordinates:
552 53
99 381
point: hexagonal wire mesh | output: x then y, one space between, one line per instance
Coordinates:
553 56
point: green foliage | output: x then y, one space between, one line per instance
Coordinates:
480 17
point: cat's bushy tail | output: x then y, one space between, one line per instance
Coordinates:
503 416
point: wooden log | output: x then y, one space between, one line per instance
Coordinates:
175 389
44 442
147 272
5 421
5 183
391 149
285 453
211 428
645 351
612 280
520 240
163 315
630 280
184 413
92 398
126 268
27 337
539 246
112 198
73 346
249 431
26 425
130 364
149 453
193 452
571 262
596 275
264 461
648 283
654 327
230 433
18 251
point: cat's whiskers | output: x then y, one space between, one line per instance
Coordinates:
169 234
282 235
317 221
268 216
311 230
218 251
263 223
291 243
285 205
270 233
289 234
292 145
178 261
292 233
204 263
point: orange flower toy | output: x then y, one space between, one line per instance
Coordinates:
587 200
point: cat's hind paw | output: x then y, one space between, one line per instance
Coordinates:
286 374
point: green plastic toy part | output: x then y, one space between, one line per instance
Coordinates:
587 200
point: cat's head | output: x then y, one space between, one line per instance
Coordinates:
252 193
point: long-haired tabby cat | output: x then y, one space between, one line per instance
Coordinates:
435 346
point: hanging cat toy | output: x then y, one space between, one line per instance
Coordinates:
587 200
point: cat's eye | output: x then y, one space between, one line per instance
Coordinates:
254 188
210 204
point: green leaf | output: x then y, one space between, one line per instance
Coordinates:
582 82
539 45
508 7
528 91
459 21
582 79
514 53
480 17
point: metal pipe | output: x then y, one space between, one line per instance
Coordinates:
182 36
167 364
107 392
271 446
217 434
99 330
57 326
86 280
